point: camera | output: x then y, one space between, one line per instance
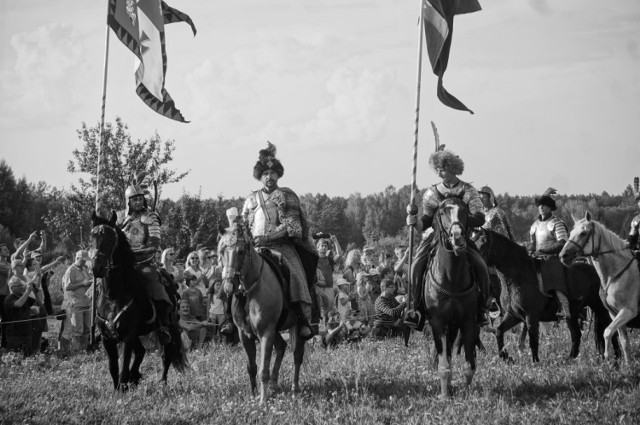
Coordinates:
322 235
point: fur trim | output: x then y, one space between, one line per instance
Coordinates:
267 161
446 160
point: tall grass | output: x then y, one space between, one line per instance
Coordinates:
373 382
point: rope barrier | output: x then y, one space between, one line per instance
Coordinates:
53 316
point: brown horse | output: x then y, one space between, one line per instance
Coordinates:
619 276
258 308
524 302
450 294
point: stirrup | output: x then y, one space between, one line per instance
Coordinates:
412 319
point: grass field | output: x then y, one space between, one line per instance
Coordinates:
373 382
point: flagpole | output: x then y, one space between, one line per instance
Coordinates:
412 208
100 145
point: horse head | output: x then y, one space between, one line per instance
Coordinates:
451 224
581 237
234 249
105 238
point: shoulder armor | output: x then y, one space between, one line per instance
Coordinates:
251 202
553 222
149 217
533 228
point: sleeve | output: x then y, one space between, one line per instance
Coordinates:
289 210
430 203
474 202
532 237
560 230
635 224
248 208
383 308
154 230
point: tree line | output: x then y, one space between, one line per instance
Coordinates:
191 220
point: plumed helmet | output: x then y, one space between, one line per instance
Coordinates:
547 200
446 160
492 196
133 190
267 161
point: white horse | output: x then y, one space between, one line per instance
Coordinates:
618 271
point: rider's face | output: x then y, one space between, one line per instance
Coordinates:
486 200
446 175
269 179
136 203
544 210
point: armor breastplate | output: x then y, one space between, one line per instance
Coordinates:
265 222
136 232
545 234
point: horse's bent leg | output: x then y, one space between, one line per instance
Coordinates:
252 369
138 351
266 348
507 322
623 316
280 346
534 334
576 336
111 348
298 357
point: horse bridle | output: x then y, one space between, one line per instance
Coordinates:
446 235
595 252
232 272
100 229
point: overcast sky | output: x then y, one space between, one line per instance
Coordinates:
555 86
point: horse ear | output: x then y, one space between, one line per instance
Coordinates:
587 216
113 218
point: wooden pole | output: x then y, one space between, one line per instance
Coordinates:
412 208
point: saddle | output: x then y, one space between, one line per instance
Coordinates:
551 274
274 260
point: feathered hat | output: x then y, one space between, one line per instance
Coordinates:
446 160
636 188
492 196
547 200
267 161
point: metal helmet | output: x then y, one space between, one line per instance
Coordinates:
133 190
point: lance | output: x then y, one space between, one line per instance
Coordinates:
101 142
412 208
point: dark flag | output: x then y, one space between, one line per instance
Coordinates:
438 27
140 26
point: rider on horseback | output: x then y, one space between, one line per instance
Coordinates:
448 166
278 224
634 239
142 228
547 235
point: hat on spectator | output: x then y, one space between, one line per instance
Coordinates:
14 283
368 248
82 254
342 281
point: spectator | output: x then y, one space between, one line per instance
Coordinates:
325 302
374 280
335 332
365 303
352 265
77 323
168 260
401 267
326 265
345 297
19 307
217 298
193 295
193 330
389 311
354 329
369 260
5 272
21 245
193 272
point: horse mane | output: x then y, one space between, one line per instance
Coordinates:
610 236
514 252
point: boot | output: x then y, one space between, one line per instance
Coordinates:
564 312
303 311
163 321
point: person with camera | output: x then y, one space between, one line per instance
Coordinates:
23 301
75 283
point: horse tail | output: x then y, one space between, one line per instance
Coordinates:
176 351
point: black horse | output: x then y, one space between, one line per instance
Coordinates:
124 311
523 301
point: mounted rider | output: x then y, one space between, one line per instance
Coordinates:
142 228
547 236
448 166
634 233
278 223
494 216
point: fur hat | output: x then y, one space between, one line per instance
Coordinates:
446 160
492 196
547 200
267 161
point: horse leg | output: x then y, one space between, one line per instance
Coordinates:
508 321
619 320
534 334
127 350
523 337
266 348
111 348
624 341
298 357
444 364
576 335
280 346
138 351
250 348
470 336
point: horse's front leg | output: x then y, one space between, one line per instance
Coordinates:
508 321
618 322
576 335
469 335
280 346
266 348
250 348
298 357
534 337
125 373
111 348
138 351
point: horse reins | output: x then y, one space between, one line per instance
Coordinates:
108 258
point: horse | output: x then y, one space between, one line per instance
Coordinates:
619 276
523 301
124 311
258 308
450 296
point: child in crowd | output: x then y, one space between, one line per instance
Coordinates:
365 302
194 296
193 330
344 297
217 298
354 329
